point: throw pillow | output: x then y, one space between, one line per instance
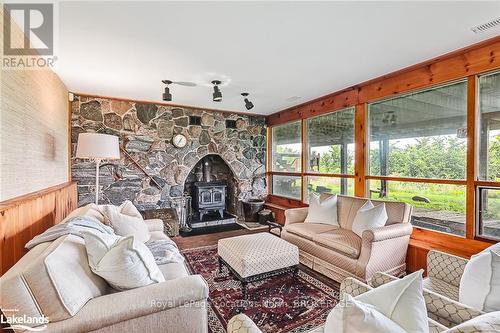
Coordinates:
355 316
126 221
479 286
369 217
324 212
492 301
401 301
129 209
121 261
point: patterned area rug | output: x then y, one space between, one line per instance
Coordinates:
279 304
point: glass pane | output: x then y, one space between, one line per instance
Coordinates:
287 186
489 224
438 207
334 185
489 142
420 135
287 147
330 140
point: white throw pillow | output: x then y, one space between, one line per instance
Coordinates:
401 301
492 302
324 212
129 209
479 285
369 217
121 261
126 221
355 316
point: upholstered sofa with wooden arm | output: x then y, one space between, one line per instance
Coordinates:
338 252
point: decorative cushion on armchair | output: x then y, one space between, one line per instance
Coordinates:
480 282
395 307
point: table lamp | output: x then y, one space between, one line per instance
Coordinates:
97 147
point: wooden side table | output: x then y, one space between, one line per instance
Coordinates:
169 218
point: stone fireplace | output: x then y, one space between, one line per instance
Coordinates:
151 170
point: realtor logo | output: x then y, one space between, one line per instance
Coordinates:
36 21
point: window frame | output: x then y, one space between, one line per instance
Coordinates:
369 176
397 84
271 165
304 173
479 211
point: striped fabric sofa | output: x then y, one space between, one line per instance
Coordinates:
339 253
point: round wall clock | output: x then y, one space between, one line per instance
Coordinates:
179 141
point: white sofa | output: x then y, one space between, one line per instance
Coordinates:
54 280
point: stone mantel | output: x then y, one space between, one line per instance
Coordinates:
145 131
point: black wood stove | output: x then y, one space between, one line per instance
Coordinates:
209 196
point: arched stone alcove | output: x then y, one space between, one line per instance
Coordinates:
220 170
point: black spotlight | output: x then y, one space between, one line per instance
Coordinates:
248 104
167 96
217 95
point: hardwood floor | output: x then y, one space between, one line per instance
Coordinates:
211 239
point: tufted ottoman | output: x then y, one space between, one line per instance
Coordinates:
257 256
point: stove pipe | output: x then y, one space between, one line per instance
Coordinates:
206 171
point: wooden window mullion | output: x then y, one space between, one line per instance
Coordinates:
470 205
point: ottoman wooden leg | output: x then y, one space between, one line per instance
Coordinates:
244 287
220 265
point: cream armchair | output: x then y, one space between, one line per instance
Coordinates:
444 272
339 252
444 314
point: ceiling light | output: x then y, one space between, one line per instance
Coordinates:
248 104
217 95
167 96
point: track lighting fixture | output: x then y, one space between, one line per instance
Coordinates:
167 96
248 104
217 95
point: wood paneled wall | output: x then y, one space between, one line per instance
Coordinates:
24 217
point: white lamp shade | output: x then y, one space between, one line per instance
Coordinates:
95 145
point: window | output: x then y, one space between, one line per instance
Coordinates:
439 207
488 209
334 185
489 127
422 135
287 186
330 142
330 150
286 147
488 166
